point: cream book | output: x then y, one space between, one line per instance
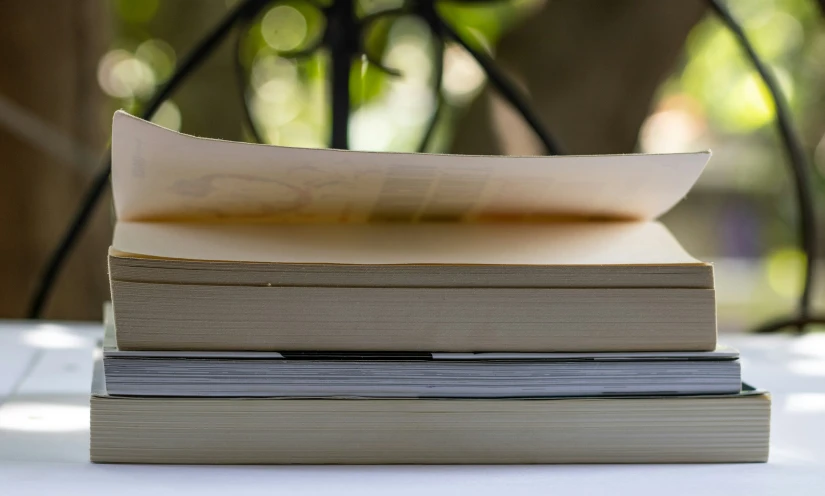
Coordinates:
234 246
280 430
324 374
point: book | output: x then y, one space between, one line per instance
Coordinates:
284 430
232 246
414 375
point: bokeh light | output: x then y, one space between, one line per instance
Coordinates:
168 116
122 75
784 271
463 77
277 97
676 126
158 55
284 28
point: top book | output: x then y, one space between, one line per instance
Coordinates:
223 245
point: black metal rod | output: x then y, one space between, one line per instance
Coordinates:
507 89
340 102
342 37
92 196
430 15
800 168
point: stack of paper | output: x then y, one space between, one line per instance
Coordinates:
282 305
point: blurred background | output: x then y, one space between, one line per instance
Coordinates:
606 76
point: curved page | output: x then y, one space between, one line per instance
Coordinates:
161 175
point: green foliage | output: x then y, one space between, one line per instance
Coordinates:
718 76
292 94
366 82
136 11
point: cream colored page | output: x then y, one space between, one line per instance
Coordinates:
163 175
588 243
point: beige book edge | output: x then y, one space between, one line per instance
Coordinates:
726 428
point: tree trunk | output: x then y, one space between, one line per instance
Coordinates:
48 71
591 67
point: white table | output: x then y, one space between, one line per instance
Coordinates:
45 371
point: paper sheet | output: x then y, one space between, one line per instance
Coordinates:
567 243
161 175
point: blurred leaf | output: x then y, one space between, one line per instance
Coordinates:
376 36
136 11
366 82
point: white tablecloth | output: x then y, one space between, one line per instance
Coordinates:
45 371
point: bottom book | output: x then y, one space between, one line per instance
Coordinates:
687 429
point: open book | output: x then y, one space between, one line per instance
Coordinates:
224 245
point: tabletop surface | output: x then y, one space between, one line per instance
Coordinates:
45 372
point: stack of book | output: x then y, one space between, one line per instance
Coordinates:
282 305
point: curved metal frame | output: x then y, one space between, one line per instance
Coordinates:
801 171
343 37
